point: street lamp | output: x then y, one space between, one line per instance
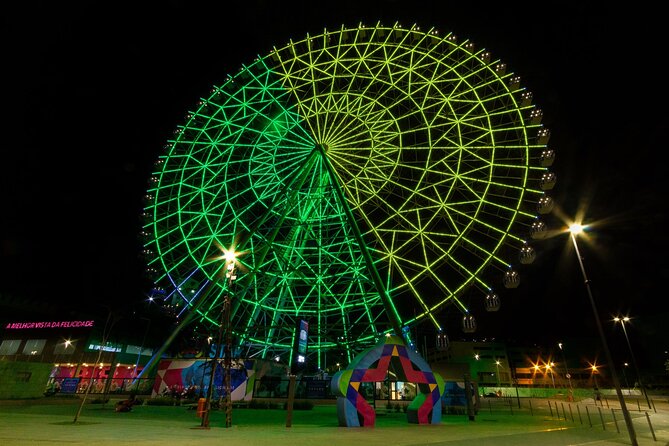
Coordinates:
537 369
636 368
549 368
593 372
627 384
574 230
230 275
497 364
566 372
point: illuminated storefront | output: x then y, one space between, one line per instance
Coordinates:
79 358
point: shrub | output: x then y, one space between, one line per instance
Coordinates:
100 401
303 405
255 404
161 401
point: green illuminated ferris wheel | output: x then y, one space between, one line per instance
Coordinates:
367 177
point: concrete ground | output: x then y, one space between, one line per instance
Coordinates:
499 422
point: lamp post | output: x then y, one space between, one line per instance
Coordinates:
636 368
231 276
566 372
549 368
627 384
497 365
224 324
575 229
537 369
112 319
593 372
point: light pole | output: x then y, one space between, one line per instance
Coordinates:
636 368
627 384
593 372
497 365
537 369
549 368
575 229
231 276
230 257
566 372
112 319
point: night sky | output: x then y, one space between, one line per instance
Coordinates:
92 92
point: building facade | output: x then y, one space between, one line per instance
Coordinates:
79 354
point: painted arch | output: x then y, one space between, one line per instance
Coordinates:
372 365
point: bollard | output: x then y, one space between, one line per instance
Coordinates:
201 403
531 411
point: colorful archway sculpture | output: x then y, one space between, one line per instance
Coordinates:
372 365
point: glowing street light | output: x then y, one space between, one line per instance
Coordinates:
549 368
594 371
636 368
224 325
497 363
574 230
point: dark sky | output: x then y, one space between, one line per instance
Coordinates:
92 91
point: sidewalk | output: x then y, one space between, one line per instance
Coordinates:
498 423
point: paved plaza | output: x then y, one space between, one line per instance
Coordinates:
499 422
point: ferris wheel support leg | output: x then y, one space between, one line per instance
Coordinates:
395 320
153 361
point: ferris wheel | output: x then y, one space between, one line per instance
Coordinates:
367 177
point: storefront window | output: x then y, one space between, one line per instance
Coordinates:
34 346
10 346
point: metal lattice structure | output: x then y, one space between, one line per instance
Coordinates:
368 176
